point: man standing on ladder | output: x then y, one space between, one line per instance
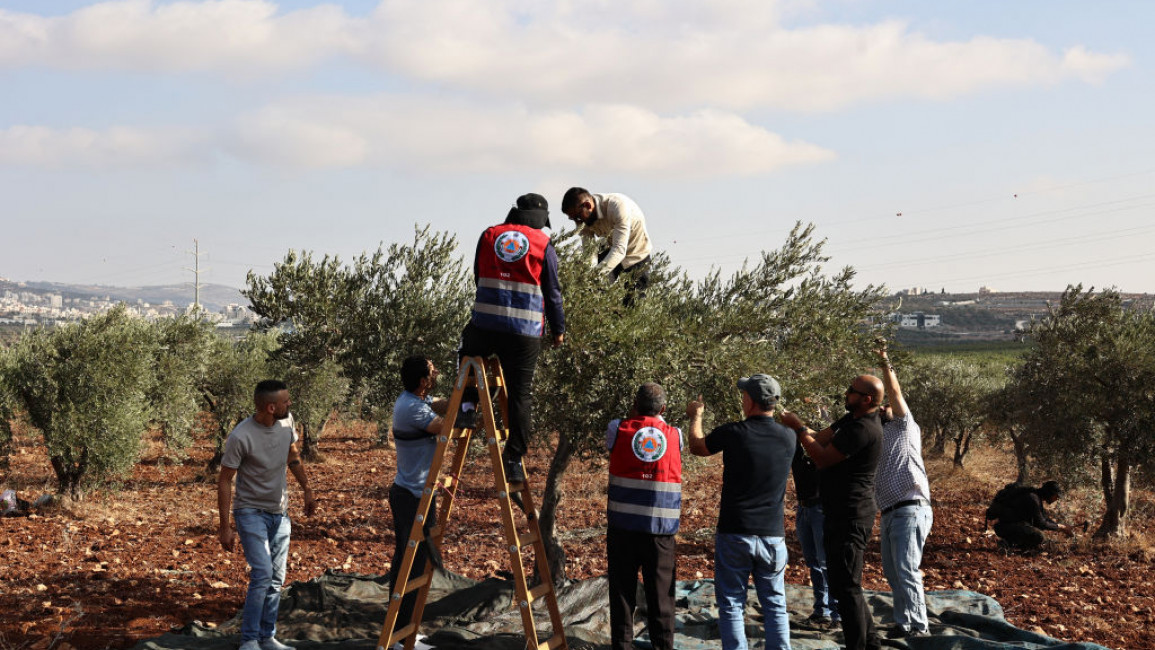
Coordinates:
515 268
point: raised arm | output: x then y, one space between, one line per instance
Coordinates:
697 437
898 406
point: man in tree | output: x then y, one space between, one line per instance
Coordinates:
416 424
1020 516
847 454
902 493
257 452
618 218
751 532
515 268
643 511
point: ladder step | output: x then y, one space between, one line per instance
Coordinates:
539 591
528 540
416 583
552 643
404 632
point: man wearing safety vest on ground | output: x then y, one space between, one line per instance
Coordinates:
515 269
644 506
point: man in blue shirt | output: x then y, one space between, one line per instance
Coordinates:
416 424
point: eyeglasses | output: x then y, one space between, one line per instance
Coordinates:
852 389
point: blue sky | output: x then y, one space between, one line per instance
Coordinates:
940 145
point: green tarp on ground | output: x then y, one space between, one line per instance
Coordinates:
346 611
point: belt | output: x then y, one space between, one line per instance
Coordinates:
903 504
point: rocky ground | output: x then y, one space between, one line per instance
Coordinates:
133 563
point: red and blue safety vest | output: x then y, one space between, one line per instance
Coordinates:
509 263
645 491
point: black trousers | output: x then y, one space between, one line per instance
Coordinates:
637 278
845 544
627 551
1020 535
403 505
518 355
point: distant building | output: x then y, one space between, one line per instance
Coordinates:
986 291
917 320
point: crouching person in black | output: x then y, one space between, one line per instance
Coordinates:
1020 517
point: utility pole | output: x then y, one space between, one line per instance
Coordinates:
196 271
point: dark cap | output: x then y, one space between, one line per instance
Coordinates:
532 202
530 210
761 388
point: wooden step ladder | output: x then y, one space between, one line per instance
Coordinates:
486 375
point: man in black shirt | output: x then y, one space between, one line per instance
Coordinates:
847 455
808 524
1021 521
751 532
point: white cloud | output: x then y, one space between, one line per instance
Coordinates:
241 37
433 135
662 54
38 146
428 134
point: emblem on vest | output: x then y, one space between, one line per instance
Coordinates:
649 444
511 246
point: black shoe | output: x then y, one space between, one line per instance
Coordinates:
820 621
514 471
466 419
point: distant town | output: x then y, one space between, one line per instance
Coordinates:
32 304
919 313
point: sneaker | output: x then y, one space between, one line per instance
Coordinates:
920 633
899 632
251 644
272 643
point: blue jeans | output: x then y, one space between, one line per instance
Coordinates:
265 540
903 535
735 558
808 525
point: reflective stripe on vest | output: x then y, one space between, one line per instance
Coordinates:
645 489
509 296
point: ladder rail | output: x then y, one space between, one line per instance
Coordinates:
488 377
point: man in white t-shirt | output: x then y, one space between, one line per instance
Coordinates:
257 453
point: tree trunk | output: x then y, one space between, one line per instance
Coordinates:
1106 479
1115 519
309 444
962 445
939 446
550 500
1021 462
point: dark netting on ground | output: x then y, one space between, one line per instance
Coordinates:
346 611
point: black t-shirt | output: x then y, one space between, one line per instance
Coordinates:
805 477
847 488
756 455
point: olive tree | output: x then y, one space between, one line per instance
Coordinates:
365 317
1086 393
83 386
232 371
949 397
7 411
782 315
181 357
